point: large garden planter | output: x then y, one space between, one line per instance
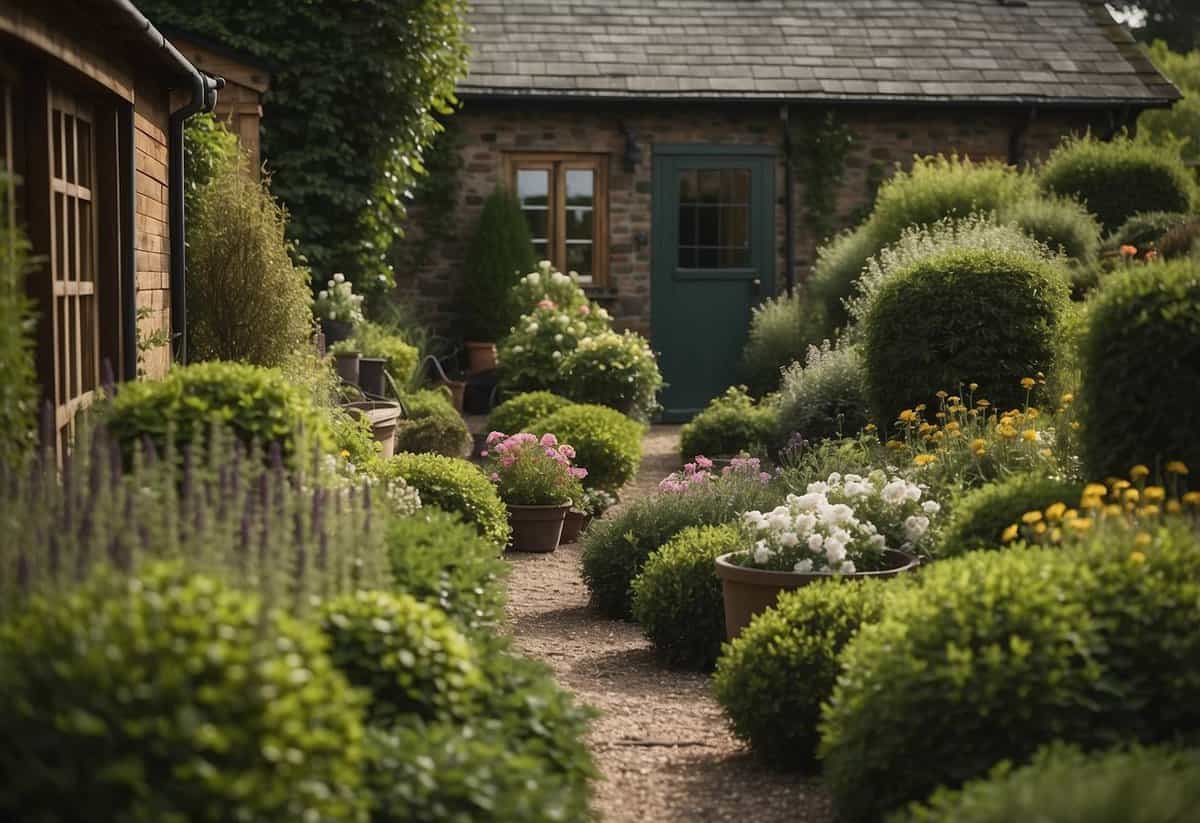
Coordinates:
748 592
480 356
536 528
383 415
458 389
573 526
346 366
336 331
370 375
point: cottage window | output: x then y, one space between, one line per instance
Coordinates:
714 219
564 198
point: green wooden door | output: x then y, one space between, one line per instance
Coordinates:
713 260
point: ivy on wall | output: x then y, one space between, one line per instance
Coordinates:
436 195
356 88
819 151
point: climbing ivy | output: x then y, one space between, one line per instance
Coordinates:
356 88
819 150
434 201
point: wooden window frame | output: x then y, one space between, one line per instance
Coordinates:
558 164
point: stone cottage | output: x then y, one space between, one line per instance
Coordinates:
657 146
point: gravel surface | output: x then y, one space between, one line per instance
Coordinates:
662 744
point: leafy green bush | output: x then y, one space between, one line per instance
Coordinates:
962 316
455 486
773 678
1063 224
824 397
531 356
607 443
781 330
614 370
1119 178
375 340
259 405
979 518
353 438
431 424
1064 785
839 264
407 655
437 558
1135 320
19 386
730 424
110 688
1145 228
616 548
208 148
499 254
677 596
519 413
247 300
1181 241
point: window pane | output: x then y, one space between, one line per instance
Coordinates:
732 258
706 258
687 225
734 226
85 154
714 218
533 187
580 187
687 186
707 231
541 250
579 258
579 224
710 185
538 220
735 185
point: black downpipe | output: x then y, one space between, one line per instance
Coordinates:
789 207
129 330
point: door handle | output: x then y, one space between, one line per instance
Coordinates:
756 284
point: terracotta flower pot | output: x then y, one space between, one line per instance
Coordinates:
383 415
480 356
536 528
748 592
573 526
346 365
458 390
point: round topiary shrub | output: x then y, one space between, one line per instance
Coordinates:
774 677
455 486
978 519
607 443
824 397
113 688
1063 224
730 424
781 330
982 316
1141 347
677 597
430 423
1064 785
407 655
519 413
259 405
1119 178
614 370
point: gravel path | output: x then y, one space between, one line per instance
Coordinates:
661 742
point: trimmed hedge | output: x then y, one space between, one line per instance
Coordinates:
168 696
431 424
1119 178
730 424
980 516
773 678
519 413
677 597
607 443
455 486
1140 353
978 316
1063 224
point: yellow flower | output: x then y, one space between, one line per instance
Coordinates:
1149 510
1032 412
1068 399
1029 435
1095 489
870 427
978 443
924 459
1045 452
1028 383
1031 517
1055 511
1173 507
1177 467
983 404
1080 524
1039 528
1137 558
1120 484
908 416
1131 494
344 453
920 407
1192 498
1075 425
973 386
895 444
1010 534
1090 501
1006 431
953 426
925 427
1056 535
1112 510
1153 494
953 399
1069 515
941 394
1142 539
1138 472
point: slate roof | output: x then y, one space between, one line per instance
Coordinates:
1050 51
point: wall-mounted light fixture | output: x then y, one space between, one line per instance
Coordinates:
633 152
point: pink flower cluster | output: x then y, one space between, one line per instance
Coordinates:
505 449
546 303
749 466
701 471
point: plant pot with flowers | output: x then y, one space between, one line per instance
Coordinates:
537 483
595 503
847 526
338 309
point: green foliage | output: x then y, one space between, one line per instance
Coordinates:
677 596
437 558
614 370
840 261
209 149
259 405
1181 241
376 340
110 690
431 424
407 655
247 300
1142 338
1178 125
981 515
353 435
1064 225
1064 785
1146 228
531 356
774 677
500 253
781 330
824 397
519 413
962 316
730 424
1119 178
819 149
345 134
18 386
456 486
607 443
616 548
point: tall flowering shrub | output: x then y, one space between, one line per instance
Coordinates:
532 471
545 283
531 356
615 370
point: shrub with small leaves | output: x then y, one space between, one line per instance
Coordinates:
781 330
430 423
823 397
455 486
730 424
531 356
615 370
1145 229
1062 224
520 412
607 443
978 519
128 680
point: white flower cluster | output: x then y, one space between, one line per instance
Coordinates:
339 302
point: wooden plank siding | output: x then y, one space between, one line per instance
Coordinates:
152 260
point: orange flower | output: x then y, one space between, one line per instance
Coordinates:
1128 251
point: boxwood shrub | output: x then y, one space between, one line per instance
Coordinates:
615 370
773 678
431 424
824 396
1063 224
1119 178
1142 335
607 443
983 316
677 597
111 689
980 516
1064 785
453 485
520 412
730 424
